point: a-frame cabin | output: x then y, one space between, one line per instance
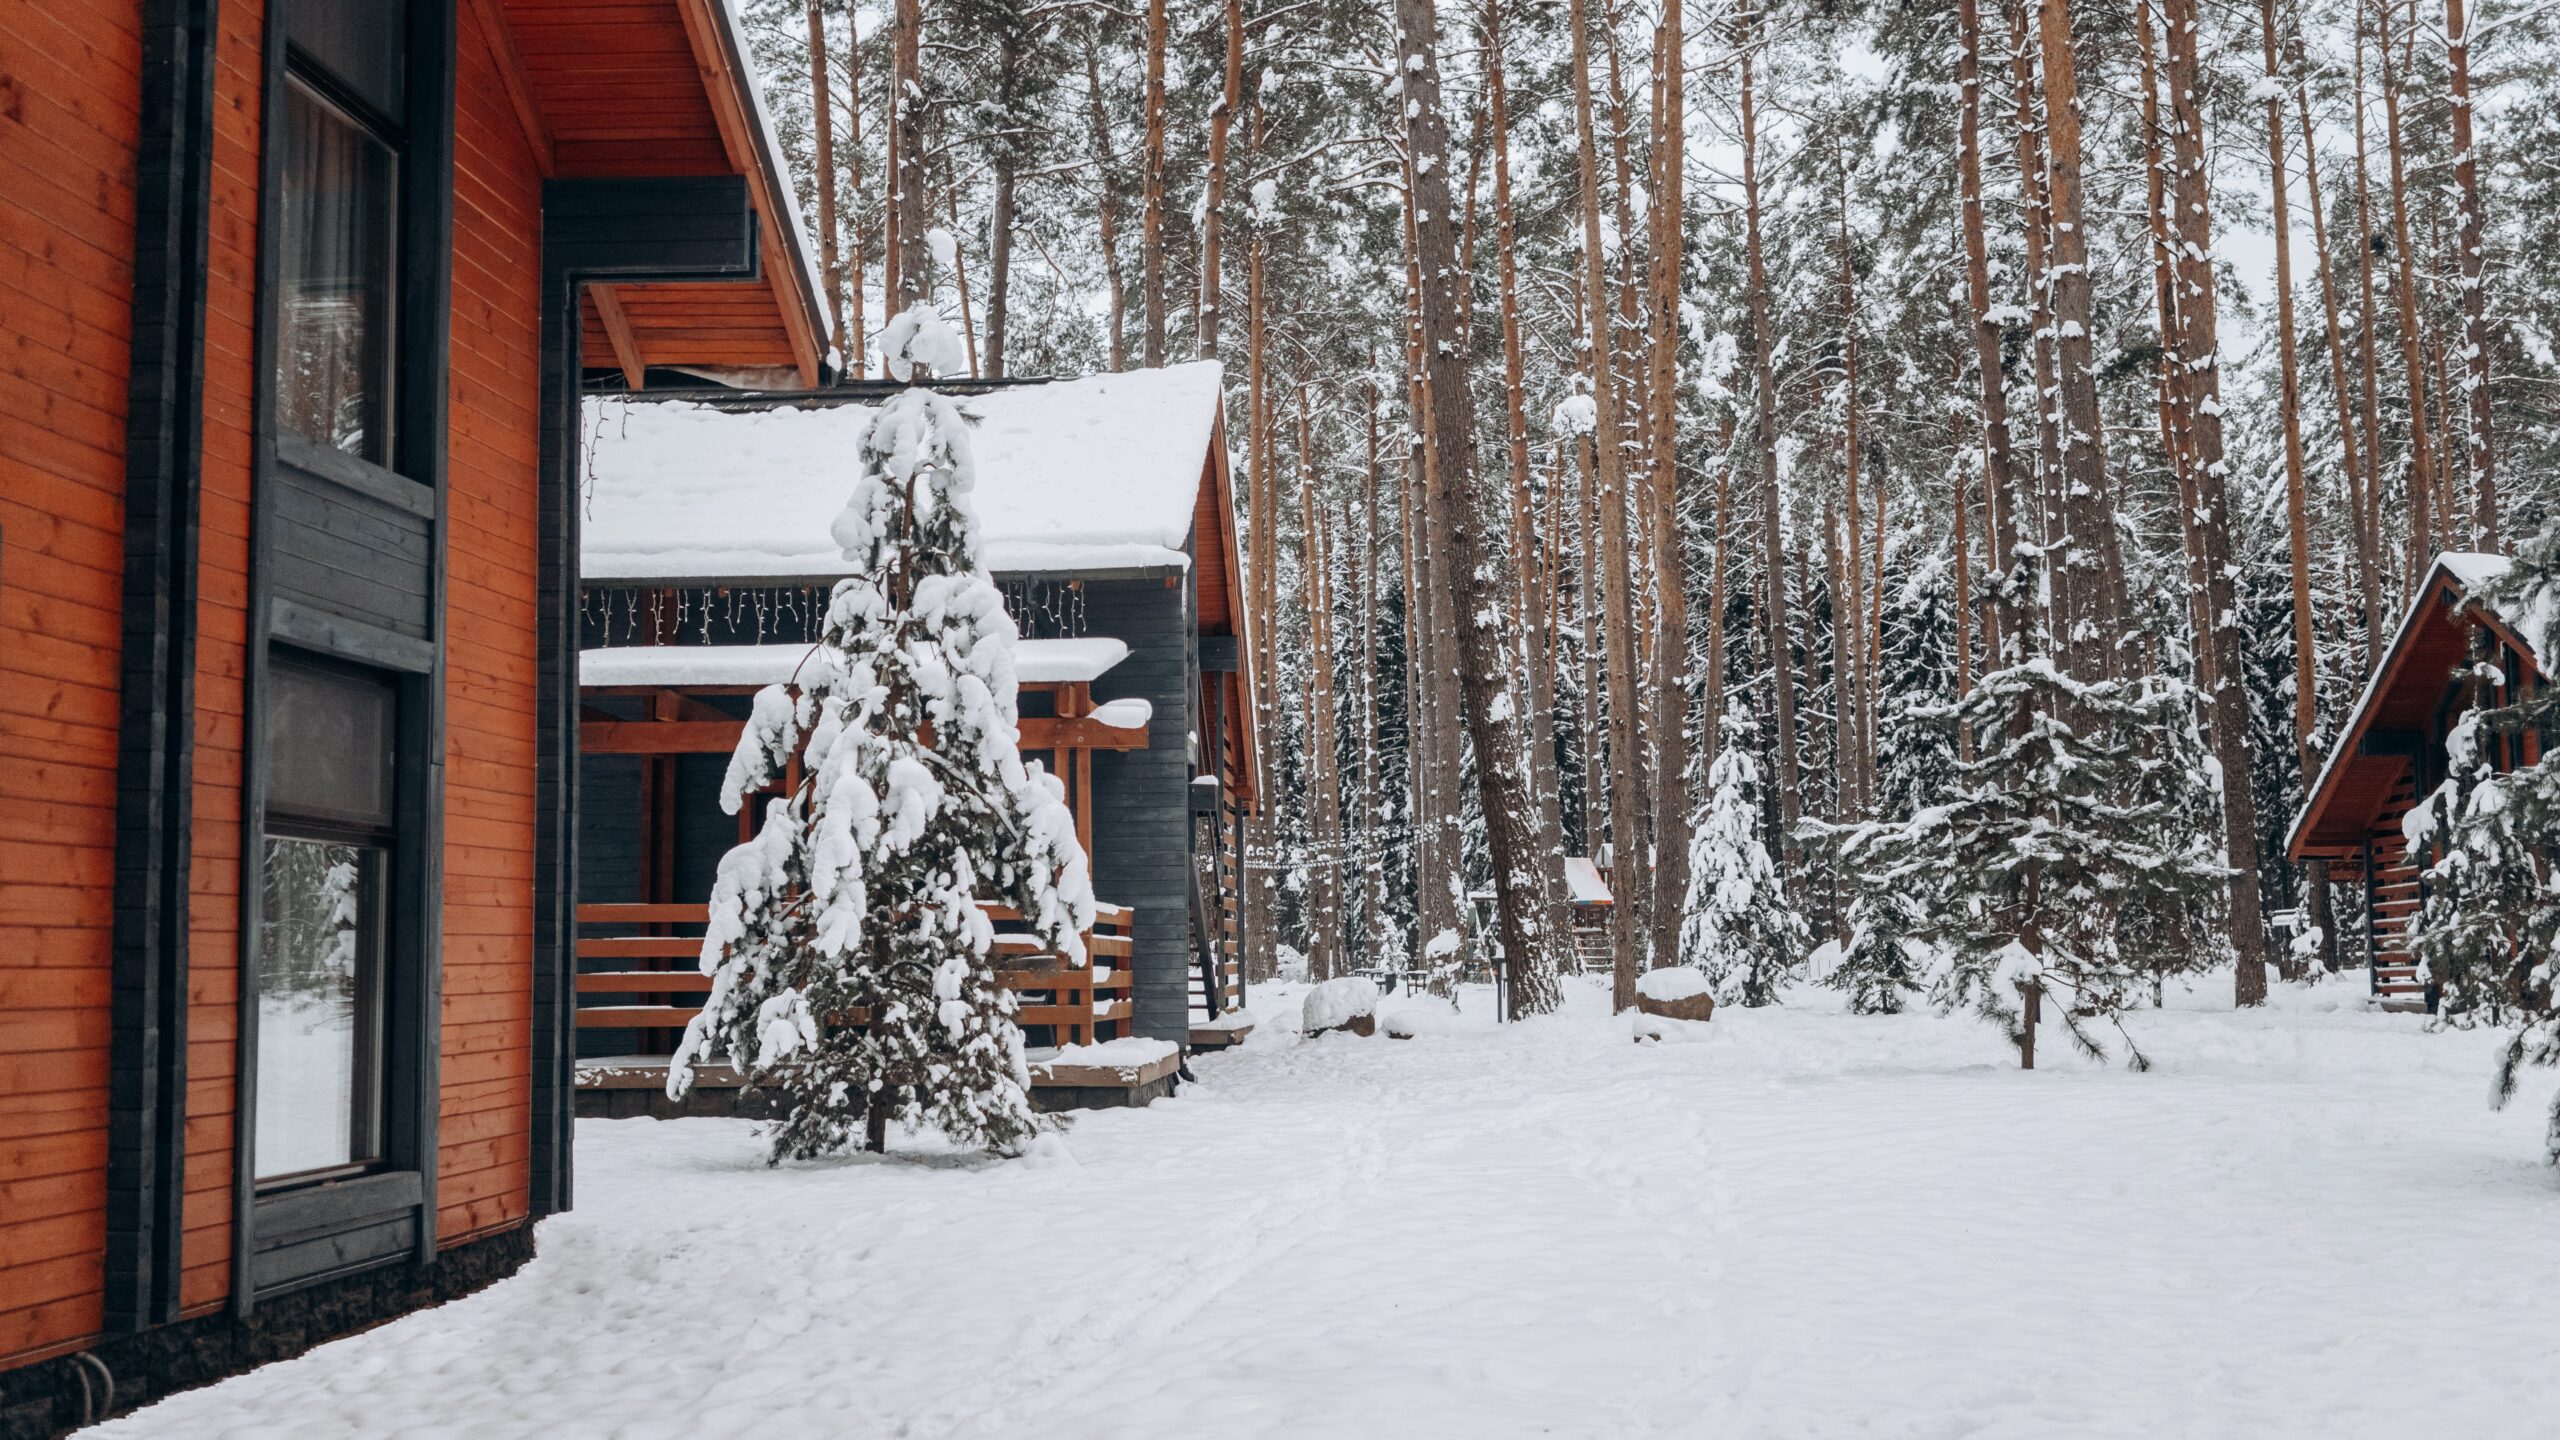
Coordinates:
2391 753
1106 515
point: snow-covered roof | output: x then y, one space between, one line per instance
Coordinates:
777 169
1035 662
1078 476
1582 882
2466 568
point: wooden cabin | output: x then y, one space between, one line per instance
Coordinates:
1106 516
299 296
2390 754
1587 904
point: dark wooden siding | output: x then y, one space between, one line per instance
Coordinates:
1142 800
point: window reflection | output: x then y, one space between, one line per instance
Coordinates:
335 272
319 1006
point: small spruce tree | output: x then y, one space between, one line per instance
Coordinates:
848 954
2077 855
2488 930
1739 926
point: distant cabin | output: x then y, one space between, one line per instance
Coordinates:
1107 517
2391 754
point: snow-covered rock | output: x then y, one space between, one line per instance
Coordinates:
1349 1003
1677 992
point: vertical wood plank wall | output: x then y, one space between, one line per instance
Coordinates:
70 117
1142 798
483 1129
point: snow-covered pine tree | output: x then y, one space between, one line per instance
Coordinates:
2078 852
859 894
2488 930
1738 925
1915 741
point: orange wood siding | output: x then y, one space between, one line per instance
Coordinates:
485 1125
222 657
70 117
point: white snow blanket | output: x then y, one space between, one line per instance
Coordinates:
1092 474
1129 1052
1035 662
1416 1015
1673 982
1821 1225
1339 1002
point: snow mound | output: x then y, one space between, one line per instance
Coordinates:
1642 1027
1418 1015
1129 714
1336 1003
1127 1052
1676 982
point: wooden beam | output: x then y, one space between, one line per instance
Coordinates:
659 737
677 705
617 329
1040 734
722 86
492 17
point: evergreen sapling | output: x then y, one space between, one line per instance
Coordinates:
850 960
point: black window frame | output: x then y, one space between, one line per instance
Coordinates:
347 567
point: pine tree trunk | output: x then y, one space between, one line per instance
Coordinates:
1999 464
2084 628
1213 202
2199 347
1151 241
1537 640
1324 891
960 274
2422 484
1522 896
2471 245
1626 801
1671 718
2034 520
1773 544
1107 207
857 342
1848 594
1373 869
2351 455
2368 362
911 279
1439 841
999 258
1263 933
822 113
2306 674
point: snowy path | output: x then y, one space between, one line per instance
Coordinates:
2304 1222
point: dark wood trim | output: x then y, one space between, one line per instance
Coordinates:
253 764
351 472
316 629
421 431
155 769
634 230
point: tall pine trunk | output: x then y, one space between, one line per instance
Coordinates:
2470 244
1773 546
822 111
2190 190
1523 899
1999 463
1151 238
1671 718
1213 202
2422 460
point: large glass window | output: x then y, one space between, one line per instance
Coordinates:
336 272
322 920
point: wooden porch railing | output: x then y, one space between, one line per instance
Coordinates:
648 982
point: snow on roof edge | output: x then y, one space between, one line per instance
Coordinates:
2467 568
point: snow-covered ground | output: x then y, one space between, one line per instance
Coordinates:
2304 1221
